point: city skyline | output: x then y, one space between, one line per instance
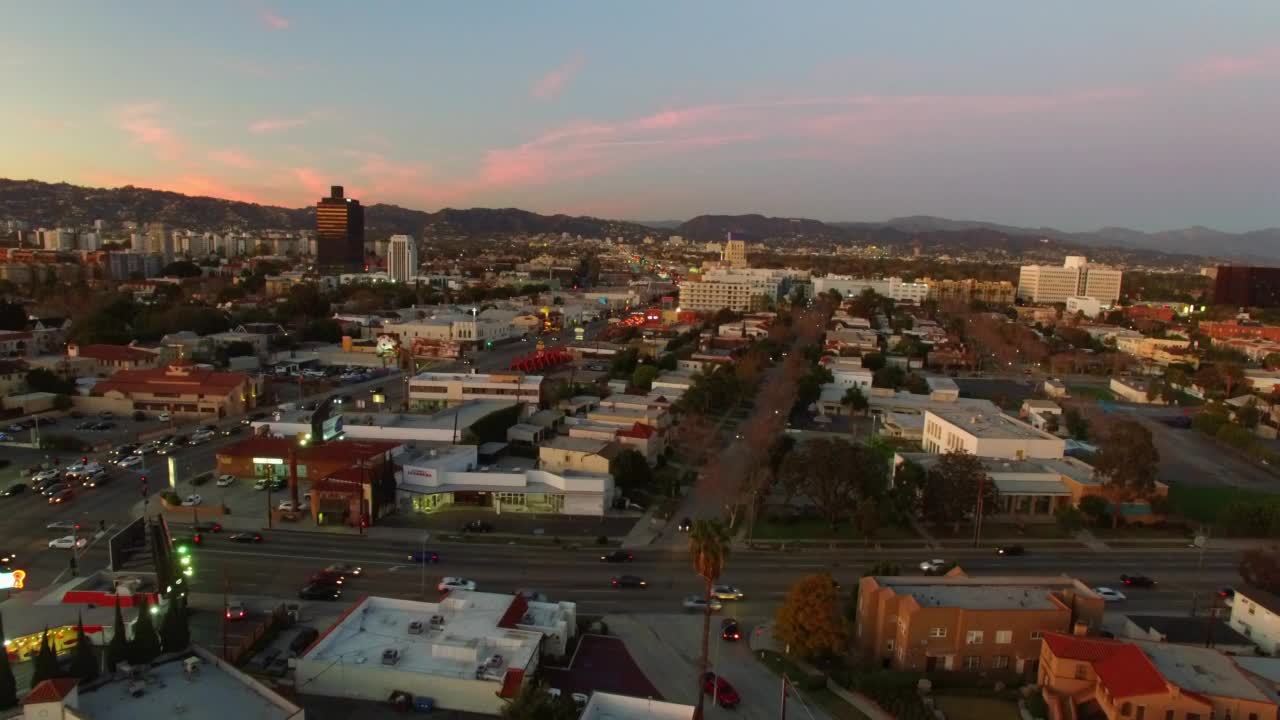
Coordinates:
1029 116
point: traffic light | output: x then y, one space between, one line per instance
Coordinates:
84 460
144 485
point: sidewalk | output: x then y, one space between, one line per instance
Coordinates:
646 531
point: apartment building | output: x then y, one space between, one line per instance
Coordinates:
433 390
712 296
1255 613
1160 351
891 287
1142 680
987 434
993 292
957 622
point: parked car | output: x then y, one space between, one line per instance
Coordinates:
1141 581
320 592
236 610
164 417
305 637
697 602
290 506
1011 550
729 630
618 556
424 556
245 537
68 542
725 695
192 501
727 592
628 581
455 583
1109 595
226 480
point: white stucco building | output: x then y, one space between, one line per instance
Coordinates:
430 390
986 434
1255 613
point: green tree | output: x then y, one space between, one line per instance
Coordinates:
906 499
118 647
644 376
84 663
325 330
854 400
13 316
709 547
952 489
1127 460
46 665
182 269
630 470
8 685
873 361
1069 519
809 622
535 703
1094 507
1249 415
47 381
1077 424
144 646
1260 567
175 634
834 475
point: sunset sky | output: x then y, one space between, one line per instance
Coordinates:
1145 114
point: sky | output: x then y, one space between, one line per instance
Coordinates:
1151 114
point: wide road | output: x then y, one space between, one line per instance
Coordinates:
281 564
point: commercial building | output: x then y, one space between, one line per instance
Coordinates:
1226 329
987 434
1091 677
339 232
443 426
469 652
402 258
1158 351
1076 277
1255 613
956 622
1083 305
432 390
992 292
892 287
195 685
184 390
1135 390
734 252
709 296
270 457
608 706
1246 286
107 359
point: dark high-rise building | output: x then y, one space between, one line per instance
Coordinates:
1247 286
339 232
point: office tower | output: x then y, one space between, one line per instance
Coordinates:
160 241
1246 286
734 253
402 258
90 241
59 239
339 232
1075 278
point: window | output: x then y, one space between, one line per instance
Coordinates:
1168 715
889 646
1037 634
937 632
1142 712
1004 637
1193 716
1082 671
973 637
1253 716
1126 709
973 662
999 662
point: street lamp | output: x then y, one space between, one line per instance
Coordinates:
423 559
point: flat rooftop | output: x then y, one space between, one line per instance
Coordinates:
607 706
904 401
214 692
1204 670
1012 593
992 425
467 635
1001 468
578 444
510 377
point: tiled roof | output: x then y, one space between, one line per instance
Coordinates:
177 378
50 691
639 430
115 353
352 450
1123 668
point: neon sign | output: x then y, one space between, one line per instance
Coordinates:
13 579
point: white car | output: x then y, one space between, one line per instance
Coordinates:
1109 595
61 525
455 583
933 566
727 592
67 542
290 506
147 448
192 501
46 475
226 480
164 417
130 461
697 602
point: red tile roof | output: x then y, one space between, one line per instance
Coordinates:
638 430
267 447
512 681
50 691
115 353
1122 668
515 612
177 378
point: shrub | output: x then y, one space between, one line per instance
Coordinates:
1037 706
201 479
171 497
63 443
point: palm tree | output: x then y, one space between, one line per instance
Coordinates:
709 546
855 400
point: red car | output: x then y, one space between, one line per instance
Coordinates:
724 693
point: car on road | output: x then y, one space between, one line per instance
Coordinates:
477 526
54 488
103 426
724 693
729 631
265 484
320 592
236 610
68 542
455 583
62 525
130 461
245 537
14 489
1137 581
618 556
123 450
62 496
322 578
226 480
230 430
291 506
192 501
97 479
345 569
1228 595
198 439
164 417
214 527
726 592
1109 595
628 581
41 486
1011 550
50 474
424 556
685 525
935 565
697 602
7 556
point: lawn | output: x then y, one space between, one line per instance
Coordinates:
1001 531
1091 391
1204 504
835 707
1139 532
818 529
965 707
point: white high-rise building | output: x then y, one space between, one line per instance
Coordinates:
58 239
1075 278
402 258
90 241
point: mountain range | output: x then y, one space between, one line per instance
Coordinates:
53 204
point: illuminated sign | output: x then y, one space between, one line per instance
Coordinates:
331 428
268 461
12 579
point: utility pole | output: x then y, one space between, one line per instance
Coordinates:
226 608
977 518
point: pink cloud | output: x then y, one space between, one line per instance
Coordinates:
311 180
1227 67
550 85
273 21
232 158
142 121
277 124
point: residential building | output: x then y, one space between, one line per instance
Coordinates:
183 390
892 287
1224 329
992 292
402 258
16 344
957 622
1246 286
734 252
855 341
160 241
1083 305
709 296
13 377
1135 390
1255 613
123 265
608 706
432 390
452 329
1076 277
987 434
107 359
470 652
644 439
1042 414
1158 351
624 410
1091 677
1055 388
1210 630
577 454
339 232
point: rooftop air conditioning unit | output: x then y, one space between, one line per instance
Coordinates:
415 627
390 656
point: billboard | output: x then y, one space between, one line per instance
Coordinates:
331 428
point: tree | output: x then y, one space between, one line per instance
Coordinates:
909 482
1127 460
809 623
873 361
84 664
854 400
13 316
322 330
1077 424
8 685
47 381
1069 518
1249 415
46 665
118 647
644 376
1271 361
1093 507
182 269
709 546
145 644
535 703
1261 567
175 635
833 475
630 470
952 489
